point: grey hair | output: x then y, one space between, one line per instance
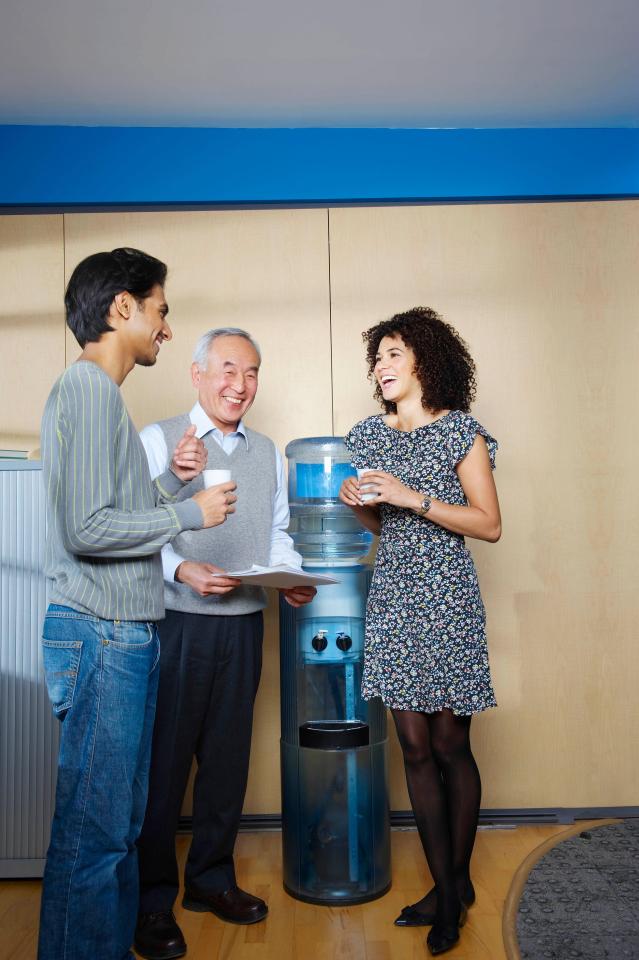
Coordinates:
202 347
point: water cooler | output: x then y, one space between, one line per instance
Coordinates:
335 820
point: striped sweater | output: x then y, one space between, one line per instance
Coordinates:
106 519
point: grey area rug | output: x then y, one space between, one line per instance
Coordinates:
581 899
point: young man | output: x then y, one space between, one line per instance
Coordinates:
106 525
211 644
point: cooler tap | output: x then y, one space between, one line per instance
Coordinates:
319 641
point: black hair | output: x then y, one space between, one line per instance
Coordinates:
443 364
98 279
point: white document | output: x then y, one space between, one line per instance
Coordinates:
282 576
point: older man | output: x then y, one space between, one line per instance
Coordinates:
211 650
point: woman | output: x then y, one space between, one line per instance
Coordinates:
430 464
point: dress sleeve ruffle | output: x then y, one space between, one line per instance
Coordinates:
354 442
462 436
349 439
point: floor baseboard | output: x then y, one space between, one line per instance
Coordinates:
528 816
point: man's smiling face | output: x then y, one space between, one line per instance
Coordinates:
227 388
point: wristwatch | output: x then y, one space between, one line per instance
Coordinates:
424 506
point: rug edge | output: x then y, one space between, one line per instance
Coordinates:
518 882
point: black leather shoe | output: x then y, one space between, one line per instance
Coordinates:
158 937
443 938
234 905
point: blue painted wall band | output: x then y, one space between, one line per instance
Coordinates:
68 167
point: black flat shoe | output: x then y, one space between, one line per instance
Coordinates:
412 917
444 938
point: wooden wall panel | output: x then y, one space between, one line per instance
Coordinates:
265 271
31 323
547 296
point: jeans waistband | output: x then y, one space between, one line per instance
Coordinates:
58 610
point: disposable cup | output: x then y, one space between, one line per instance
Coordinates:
213 477
363 487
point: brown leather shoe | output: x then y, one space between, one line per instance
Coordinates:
158 937
234 905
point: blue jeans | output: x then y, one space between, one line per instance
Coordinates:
102 680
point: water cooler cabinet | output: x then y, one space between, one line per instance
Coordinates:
334 748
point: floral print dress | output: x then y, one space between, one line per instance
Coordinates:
425 621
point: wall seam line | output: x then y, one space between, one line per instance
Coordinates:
64 274
330 317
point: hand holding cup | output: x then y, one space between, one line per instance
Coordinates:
216 502
353 492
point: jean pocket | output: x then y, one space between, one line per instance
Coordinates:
61 660
132 635
137 645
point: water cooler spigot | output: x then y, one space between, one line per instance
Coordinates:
344 642
319 641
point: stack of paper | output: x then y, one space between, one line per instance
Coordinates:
282 576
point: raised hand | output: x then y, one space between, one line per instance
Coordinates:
189 457
216 503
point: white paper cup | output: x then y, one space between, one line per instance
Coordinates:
363 486
213 477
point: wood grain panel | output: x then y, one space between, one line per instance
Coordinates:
547 296
31 323
264 271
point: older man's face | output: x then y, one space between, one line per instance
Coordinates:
227 388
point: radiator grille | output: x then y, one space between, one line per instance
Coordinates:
28 729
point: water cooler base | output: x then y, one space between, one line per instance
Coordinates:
335 824
337 901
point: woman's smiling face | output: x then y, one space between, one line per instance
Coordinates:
395 370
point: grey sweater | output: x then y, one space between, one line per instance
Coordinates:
106 520
245 536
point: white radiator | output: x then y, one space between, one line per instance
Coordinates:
28 729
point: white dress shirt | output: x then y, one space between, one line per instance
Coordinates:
154 442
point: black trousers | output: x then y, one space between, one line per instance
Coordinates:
209 674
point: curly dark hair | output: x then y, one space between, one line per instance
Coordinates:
443 364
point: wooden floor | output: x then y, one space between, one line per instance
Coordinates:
300 931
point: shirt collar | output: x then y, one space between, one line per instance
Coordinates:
204 425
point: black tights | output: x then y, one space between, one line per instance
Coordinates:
445 791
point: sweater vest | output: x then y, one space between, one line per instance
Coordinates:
245 536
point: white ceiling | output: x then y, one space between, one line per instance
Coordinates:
407 63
